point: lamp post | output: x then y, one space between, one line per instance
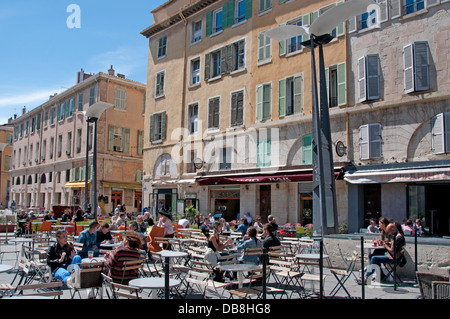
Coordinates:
92 115
324 192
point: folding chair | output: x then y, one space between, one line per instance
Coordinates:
201 276
343 275
286 274
151 238
440 289
425 281
125 291
51 289
90 277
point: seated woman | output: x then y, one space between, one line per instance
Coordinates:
243 226
395 230
249 241
216 245
60 255
130 250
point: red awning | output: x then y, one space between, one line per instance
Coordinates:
272 178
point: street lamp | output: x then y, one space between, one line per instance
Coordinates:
92 115
324 191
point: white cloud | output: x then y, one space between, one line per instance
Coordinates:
32 98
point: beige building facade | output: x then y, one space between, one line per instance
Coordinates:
6 134
51 141
228 117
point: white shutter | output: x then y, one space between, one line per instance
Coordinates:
364 142
259 102
421 66
437 134
408 68
352 25
362 79
298 94
375 140
306 20
373 76
447 131
396 8
383 10
342 83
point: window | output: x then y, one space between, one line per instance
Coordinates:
31 154
52 147
440 133
33 124
370 141
225 158
61 111
367 20
240 10
158 126
225 60
52 115
44 150
91 95
238 55
217 20
72 106
193 118
195 71
336 84
263 101
190 167
165 164
416 67
162 46
265 5
159 89
38 121
214 113
294 44
79 139
411 6
59 150
237 108
264 48
196 31
120 100
36 156
290 96
339 30
140 142
69 143
216 63
369 78
80 101
118 139
307 142
263 154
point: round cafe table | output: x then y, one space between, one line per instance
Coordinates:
166 255
93 260
154 283
5 268
240 269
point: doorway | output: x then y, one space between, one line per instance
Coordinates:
116 199
264 201
138 201
306 209
372 203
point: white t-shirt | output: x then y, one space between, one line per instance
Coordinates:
183 222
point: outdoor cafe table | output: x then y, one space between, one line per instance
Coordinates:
20 240
94 260
240 269
167 254
5 268
154 283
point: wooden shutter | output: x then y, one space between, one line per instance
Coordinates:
163 125
208 28
298 94
383 10
364 142
362 79
225 66
267 99
375 140
437 134
217 113
340 28
373 76
228 14
352 25
233 109
307 149
267 153
152 128
261 42
342 84
248 9
240 108
207 66
282 45
138 176
447 131
282 98
408 68
259 102
421 66
306 20
110 138
396 8
126 140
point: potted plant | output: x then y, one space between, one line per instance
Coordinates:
190 212
5 221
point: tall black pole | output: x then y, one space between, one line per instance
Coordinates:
363 275
86 171
94 172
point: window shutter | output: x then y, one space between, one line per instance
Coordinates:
110 138
259 153
447 131
437 134
362 79
327 84
396 8
207 66
383 10
307 149
282 45
261 42
163 125
351 25
314 16
306 20
211 114
408 68
234 108
373 77
259 103
282 98
228 14
342 84
375 140
267 157
152 128
298 94
208 29
224 66
340 29
138 176
364 142
126 140
240 109
421 67
266 101
217 113
248 9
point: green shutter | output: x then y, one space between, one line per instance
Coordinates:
207 66
267 101
163 125
306 20
259 102
228 14
110 138
327 81
208 24
298 94
248 9
152 128
307 149
126 140
267 153
282 98
342 84
314 16
340 29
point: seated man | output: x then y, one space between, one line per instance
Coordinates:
88 238
104 235
134 226
60 255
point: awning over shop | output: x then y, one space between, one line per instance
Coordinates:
398 176
134 186
76 184
278 177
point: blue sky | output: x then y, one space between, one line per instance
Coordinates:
42 51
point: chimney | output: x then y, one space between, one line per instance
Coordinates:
120 76
24 110
111 71
80 76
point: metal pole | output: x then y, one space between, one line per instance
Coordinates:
166 279
395 264
363 293
264 256
415 252
94 172
321 268
86 172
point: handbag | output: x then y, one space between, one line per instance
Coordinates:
212 257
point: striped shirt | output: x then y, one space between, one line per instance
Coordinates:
116 263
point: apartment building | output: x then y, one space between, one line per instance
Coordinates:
399 114
228 117
6 133
51 141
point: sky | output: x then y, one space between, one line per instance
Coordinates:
44 43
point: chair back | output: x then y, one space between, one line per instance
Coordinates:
46 226
42 289
125 291
176 226
425 281
155 233
91 274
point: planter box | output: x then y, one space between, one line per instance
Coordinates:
10 228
